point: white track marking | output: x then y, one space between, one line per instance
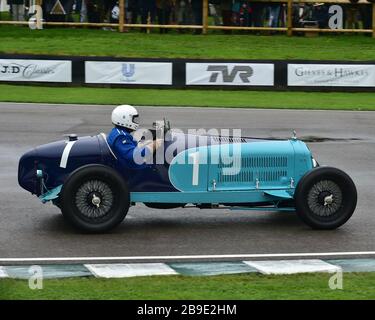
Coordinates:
122 270
66 152
193 257
293 266
3 273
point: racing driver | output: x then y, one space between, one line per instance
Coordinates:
126 149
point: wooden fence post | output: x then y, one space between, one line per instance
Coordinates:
289 18
205 17
121 18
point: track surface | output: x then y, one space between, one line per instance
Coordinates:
31 229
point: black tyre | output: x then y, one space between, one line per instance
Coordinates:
95 199
325 198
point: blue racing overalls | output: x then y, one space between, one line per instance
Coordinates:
126 149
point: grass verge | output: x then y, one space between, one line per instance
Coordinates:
90 42
196 98
244 286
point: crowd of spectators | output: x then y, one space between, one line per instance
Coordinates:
189 12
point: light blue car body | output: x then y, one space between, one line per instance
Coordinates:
256 172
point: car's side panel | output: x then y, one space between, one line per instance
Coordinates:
256 172
204 197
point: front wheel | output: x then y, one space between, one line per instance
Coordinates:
325 198
95 199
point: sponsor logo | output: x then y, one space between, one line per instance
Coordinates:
27 71
331 74
243 72
229 74
128 71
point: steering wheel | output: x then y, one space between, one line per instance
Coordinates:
164 128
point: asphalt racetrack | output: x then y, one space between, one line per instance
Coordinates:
29 229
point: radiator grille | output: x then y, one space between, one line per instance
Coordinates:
265 162
267 169
258 162
251 176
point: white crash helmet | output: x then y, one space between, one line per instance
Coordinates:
125 116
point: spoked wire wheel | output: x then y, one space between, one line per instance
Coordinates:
325 198
95 199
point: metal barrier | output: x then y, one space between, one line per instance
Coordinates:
205 27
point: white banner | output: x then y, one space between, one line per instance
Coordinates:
159 73
230 74
331 75
35 70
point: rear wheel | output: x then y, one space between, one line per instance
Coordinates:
95 199
325 198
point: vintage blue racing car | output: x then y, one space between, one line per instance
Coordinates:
83 177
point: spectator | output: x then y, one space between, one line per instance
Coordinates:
183 12
366 14
258 9
94 10
320 14
18 9
148 10
134 10
68 6
197 8
226 12
108 5
111 13
273 11
78 6
164 9
83 12
351 14
213 11
283 14
114 13
242 13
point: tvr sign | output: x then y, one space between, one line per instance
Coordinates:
244 73
232 74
